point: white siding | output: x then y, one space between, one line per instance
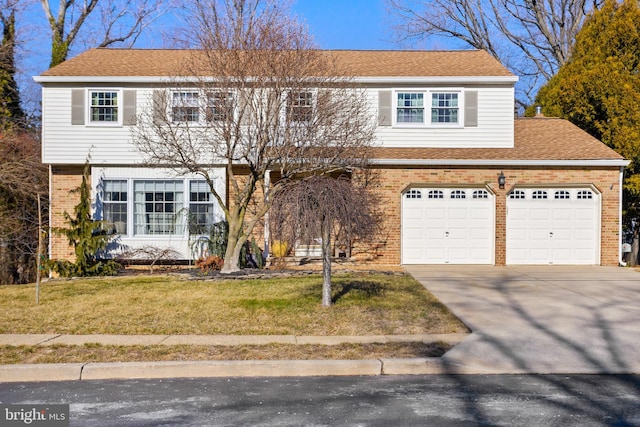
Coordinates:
495 125
64 143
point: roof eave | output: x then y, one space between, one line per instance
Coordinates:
362 80
502 162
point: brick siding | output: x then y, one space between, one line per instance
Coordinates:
392 181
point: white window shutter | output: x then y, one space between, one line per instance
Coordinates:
77 106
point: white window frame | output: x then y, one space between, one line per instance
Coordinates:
209 105
89 107
105 203
287 105
198 105
427 96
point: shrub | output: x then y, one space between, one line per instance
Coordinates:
209 263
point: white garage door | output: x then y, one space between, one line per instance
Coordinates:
553 226
448 226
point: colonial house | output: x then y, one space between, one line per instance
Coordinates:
463 180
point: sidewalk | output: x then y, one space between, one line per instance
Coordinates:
191 369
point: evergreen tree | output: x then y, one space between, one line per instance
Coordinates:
599 88
87 238
10 111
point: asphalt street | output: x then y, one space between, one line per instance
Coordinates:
435 400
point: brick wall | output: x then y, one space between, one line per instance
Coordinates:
63 180
394 180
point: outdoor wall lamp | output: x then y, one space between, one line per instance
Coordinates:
501 180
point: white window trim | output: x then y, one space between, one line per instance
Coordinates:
88 106
99 174
427 108
203 104
313 106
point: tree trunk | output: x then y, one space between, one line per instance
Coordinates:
232 254
326 263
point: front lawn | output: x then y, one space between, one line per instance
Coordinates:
365 304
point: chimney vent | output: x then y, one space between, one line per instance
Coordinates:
539 111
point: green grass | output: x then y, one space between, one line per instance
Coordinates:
364 304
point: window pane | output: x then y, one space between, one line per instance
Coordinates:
115 205
157 207
219 106
410 108
201 208
300 106
104 106
185 107
444 108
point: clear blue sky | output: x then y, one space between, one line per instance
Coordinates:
347 24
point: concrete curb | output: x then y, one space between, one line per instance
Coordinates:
43 372
212 369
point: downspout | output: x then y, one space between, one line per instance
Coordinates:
49 245
267 184
620 234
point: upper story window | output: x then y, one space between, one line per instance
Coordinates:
444 107
410 107
104 106
413 108
184 107
300 106
219 106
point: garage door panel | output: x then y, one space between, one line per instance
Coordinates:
458 229
553 231
537 214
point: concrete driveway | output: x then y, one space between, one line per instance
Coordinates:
541 319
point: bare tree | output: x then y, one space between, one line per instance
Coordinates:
22 178
322 206
532 38
260 100
115 22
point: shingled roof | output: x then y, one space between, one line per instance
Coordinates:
359 63
536 139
